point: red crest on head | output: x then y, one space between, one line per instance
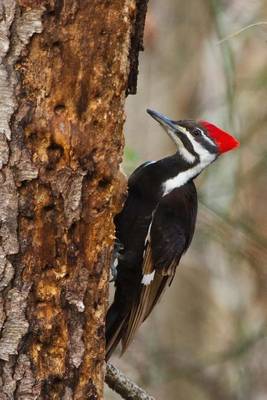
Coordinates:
223 139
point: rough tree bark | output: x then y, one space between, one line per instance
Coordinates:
65 68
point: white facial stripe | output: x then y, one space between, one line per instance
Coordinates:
174 137
184 130
188 134
205 158
205 137
186 155
204 155
148 278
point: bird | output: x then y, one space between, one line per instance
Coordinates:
157 223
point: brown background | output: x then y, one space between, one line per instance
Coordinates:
207 338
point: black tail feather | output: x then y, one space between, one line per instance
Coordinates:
114 329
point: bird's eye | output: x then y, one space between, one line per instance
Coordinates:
197 132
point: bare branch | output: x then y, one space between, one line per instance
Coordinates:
122 385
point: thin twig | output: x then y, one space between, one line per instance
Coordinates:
122 385
234 34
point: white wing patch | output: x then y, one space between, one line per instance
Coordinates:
148 278
116 262
147 239
113 269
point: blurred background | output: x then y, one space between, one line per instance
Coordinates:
207 339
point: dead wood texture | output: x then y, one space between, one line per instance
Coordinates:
63 77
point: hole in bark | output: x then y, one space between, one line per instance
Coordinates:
48 266
56 10
48 212
57 47
56 44
58 7
101 331
96 93
49 207
103 183
82 102
27 210
33 136
59 108
52 385
55 152
72 253
72 228
87 163
89 175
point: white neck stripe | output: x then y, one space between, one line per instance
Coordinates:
185 176
180 179
205 158
186 155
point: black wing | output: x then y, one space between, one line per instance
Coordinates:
131 229
171 232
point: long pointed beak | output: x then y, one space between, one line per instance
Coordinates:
162 119
166 123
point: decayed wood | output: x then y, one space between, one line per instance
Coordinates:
63 78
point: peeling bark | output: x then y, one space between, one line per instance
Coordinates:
64 68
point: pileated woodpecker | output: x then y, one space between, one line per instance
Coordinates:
157 223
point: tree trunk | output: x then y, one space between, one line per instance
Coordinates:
65 68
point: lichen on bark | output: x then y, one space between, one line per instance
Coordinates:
15 33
